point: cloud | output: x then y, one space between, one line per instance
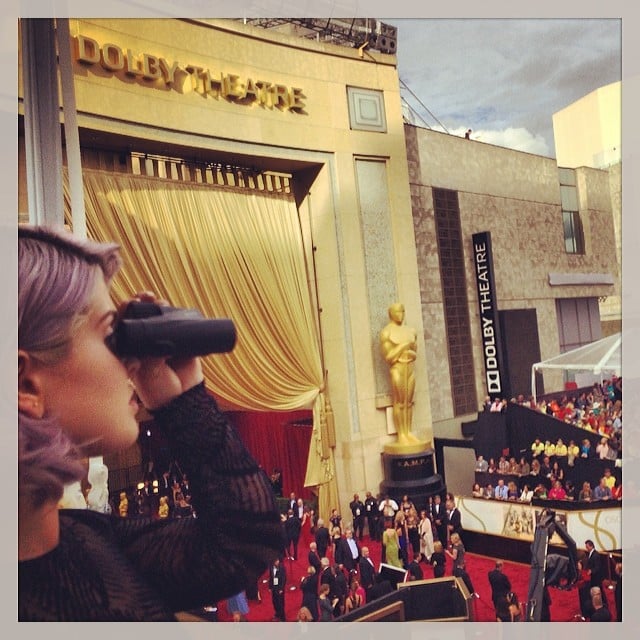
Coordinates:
506 77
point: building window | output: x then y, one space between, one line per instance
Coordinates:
455 302
571 222
573 236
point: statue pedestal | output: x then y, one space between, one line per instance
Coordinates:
413 474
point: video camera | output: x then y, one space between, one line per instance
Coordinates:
147 329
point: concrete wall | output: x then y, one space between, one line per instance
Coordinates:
516 197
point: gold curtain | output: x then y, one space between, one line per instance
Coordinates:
229 253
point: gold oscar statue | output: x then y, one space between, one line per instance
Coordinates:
399 344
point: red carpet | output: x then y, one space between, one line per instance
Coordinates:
564 606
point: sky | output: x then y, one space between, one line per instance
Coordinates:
504 79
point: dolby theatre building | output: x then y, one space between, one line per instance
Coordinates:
271 178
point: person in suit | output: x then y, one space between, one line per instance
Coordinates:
367 571
594 565
414 568
500 584
439 519
372 514
314 558
454 519
277 582
347 551
438 560
292 502
326 574
292 527
341 589
600 612
357 513
322 538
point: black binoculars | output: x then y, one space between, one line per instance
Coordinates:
147 329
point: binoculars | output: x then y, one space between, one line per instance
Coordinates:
146 329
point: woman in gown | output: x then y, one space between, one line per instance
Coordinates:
392 546
413 521
306 536
425 529
355 598
403 538
336 536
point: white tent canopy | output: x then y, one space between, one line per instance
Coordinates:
596 357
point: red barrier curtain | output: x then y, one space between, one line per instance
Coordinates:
279 440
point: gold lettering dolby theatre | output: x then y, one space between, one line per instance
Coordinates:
190 77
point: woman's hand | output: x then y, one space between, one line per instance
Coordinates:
158 381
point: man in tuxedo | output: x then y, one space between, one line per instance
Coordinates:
372 514
595 568
500 584
328 577
292 526
322 537
347 552
357 513
367 571
292 502
341 589
454 519
439 519
414 568
277 582
314 558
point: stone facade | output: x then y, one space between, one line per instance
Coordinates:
516 197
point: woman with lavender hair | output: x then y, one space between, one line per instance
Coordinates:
77 399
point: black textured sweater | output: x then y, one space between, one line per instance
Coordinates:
107 568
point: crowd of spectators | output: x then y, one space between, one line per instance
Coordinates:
546 469
598 410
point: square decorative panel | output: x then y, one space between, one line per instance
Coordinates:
366 110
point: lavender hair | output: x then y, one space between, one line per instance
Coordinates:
56 276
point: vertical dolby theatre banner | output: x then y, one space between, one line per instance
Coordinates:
489 325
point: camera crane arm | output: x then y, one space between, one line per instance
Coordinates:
547 526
